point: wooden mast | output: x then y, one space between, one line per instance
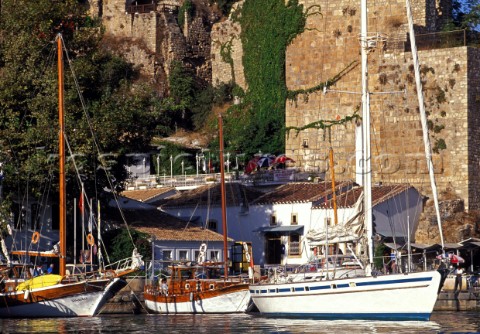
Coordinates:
224 200
61 159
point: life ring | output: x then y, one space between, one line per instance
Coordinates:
90 239
35 237
187 286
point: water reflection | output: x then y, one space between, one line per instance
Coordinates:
242 323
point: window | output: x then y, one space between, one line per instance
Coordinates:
305 143
273 220
167 255
183 255
212 225
196 253
294 219
294 244
214 255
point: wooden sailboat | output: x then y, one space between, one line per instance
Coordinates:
185 292
66 294
409 296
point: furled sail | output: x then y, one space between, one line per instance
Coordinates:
350 230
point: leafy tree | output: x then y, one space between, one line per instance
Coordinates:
465 15
121 112
121 246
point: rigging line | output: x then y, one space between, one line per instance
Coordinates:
95 141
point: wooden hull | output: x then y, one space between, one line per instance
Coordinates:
229 299
76 299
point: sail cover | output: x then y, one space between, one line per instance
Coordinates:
351 230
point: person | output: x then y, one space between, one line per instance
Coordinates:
164 287
38 271
50 269
458 279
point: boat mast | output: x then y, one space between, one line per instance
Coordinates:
366 161
61 159
423 119
224 200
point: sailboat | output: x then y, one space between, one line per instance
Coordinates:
408 296
215 291
68 294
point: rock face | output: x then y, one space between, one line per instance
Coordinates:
148 34
457 224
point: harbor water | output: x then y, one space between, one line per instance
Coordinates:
441 322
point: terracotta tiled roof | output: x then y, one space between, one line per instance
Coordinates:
166 227
349 198
146 194
210 194
301 192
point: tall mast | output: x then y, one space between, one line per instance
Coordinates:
423 119
224 200
366 161
61 159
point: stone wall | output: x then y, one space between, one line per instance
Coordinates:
329 44
226 34
152 39
473 127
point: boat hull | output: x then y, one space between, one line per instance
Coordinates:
392 297
61 300
231 299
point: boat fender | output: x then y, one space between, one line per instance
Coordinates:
90 239
35 237
26 294
191 296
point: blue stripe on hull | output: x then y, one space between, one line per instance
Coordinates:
356 316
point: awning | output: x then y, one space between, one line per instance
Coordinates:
282 229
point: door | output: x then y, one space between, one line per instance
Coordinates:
273 253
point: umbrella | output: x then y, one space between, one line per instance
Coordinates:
251 165
266 161
282 158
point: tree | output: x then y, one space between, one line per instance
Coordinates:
116 115
465 15
121 246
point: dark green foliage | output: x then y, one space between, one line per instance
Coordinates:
267 29
186 8
121 110
465 15
121 246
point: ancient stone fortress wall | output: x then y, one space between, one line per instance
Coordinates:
149 36
330 45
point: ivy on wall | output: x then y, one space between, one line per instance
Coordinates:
268 27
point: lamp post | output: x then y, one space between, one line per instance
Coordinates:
197 158
171 169
182 166
158 166
228 162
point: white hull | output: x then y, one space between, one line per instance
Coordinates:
235 302
76 305
402 296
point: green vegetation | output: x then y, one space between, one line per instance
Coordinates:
258 123
121 246
121 110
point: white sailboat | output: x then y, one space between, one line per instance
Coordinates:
186 292
68 294
409 296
